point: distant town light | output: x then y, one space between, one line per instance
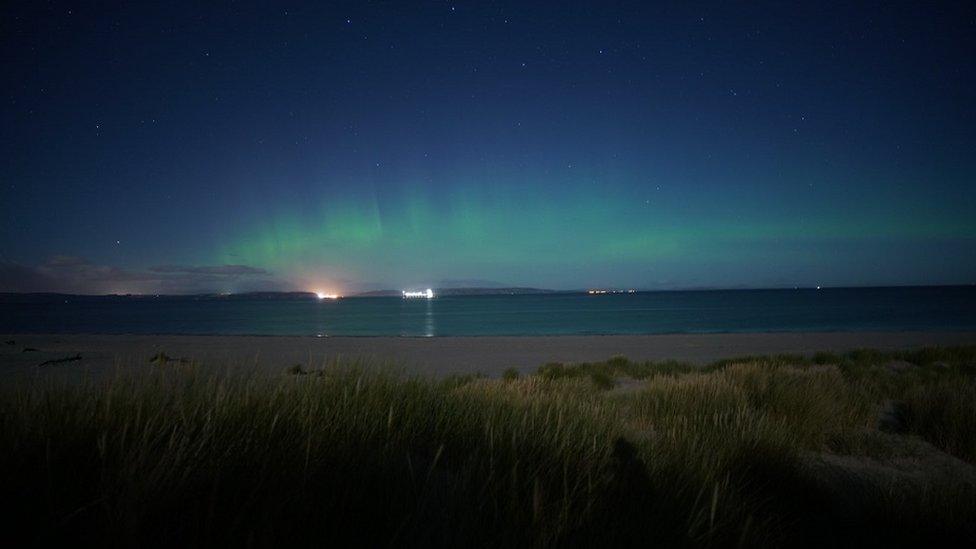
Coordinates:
428 294
321 295
600 291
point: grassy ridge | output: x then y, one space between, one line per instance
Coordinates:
761 450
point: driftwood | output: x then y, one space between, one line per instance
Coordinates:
60 360
163 358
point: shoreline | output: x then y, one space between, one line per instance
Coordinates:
432 356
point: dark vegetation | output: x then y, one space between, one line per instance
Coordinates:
771 451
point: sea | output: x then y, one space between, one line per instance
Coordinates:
942 308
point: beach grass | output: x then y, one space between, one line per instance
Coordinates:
826 450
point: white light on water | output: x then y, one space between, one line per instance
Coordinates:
428 293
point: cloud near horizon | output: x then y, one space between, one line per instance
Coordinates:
77 275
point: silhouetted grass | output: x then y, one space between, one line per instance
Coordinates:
761 451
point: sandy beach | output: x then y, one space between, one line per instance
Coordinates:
22 354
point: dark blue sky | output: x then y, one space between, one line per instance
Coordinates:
344 146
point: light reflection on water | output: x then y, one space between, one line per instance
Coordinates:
429 319
860 309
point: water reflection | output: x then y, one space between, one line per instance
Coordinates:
429 319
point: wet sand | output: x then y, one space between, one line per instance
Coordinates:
426 356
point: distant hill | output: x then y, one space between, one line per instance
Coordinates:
266 295
463 291
250 296
54 297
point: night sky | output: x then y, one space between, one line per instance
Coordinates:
353 146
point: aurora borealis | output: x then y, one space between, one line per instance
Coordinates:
356 146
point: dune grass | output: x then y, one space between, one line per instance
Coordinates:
744 452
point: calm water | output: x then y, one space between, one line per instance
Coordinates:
865 309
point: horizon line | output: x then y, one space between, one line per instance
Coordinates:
533 290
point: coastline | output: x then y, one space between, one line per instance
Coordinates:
429 356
